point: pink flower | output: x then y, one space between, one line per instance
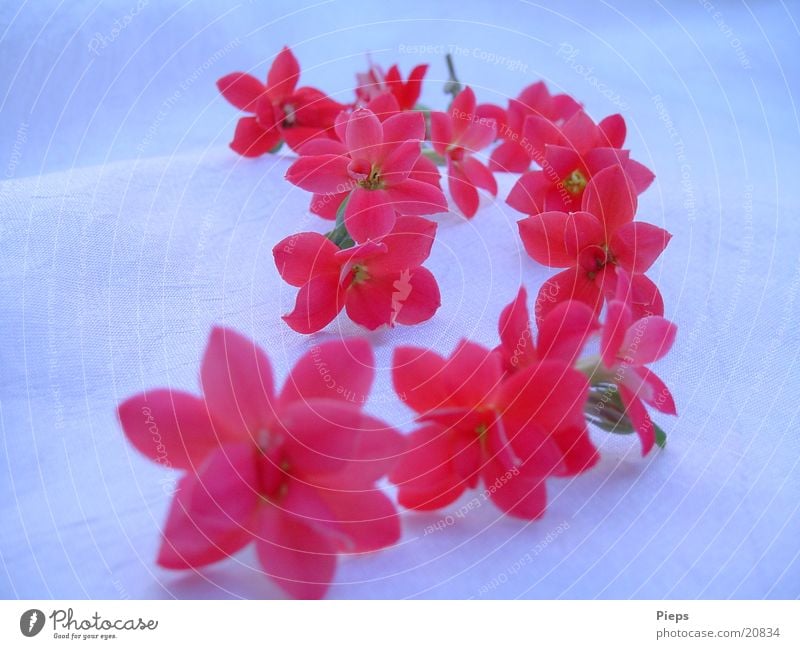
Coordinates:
511 433
293 471
572 155
374 171
378 283
592 243
511 155
627 346
562 333
280 110
374 83
384 106
456 136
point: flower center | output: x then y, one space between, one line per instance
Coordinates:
288 115
360 274
575 182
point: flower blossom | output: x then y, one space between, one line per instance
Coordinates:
374 83
381 282
374 170
456 136
384 106
627 346
480 424
592 243
569 156
293 472
279 110
511 154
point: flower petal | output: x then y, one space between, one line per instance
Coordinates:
416 297
370 214
251 140
555 239
515 333
417 198
318 302
408 245
369 302
408 125
509 157
441 132
170 427
462 190
300 558
367 518
526 499
642 423
211 516
425 477
479 175
637 245
614 131
529 193
241 89
364 135
563 333
618 319
570 284
237 382
338 369
400 160
611 197
303 256
647 340
283 75
321 174
652 390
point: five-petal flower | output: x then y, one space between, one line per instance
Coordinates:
292 471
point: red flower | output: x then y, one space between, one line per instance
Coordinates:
562 334
455 136
593 243
281 110
378 283
384 106
374 83
512 433
627 346
572 155
511 155
374 171
294 472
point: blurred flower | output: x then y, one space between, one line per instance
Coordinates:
293 471
374 83
456 136
281 111
593 243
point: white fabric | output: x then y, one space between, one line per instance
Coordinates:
114 267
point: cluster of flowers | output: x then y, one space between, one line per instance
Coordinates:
298 471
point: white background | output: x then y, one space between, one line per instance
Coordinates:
128 228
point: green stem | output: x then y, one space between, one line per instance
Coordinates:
339 235
453 85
